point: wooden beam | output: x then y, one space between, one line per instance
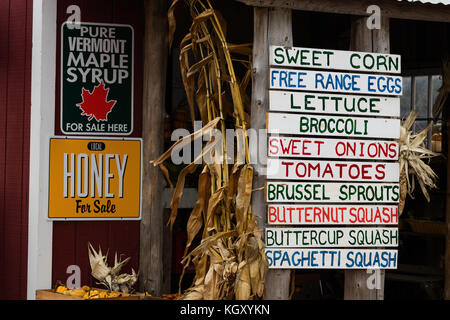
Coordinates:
364 39
446 151
271 27
152 229
280 27
360 35
447 216
389 8
42 125
259 103
380 37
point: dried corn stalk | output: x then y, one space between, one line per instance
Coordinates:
412 166
230 260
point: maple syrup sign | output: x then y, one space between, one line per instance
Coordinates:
97 79
95 179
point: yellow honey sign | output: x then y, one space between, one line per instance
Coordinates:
95 178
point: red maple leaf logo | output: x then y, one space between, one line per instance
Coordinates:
95 104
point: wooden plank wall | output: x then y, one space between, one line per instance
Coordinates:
15 95
70 238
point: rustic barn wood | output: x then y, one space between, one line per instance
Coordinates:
364 39
360 35
271 27
446 151
380 37
152 227
259 103
389 8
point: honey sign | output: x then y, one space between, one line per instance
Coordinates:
95 179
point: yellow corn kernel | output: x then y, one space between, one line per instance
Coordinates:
61 289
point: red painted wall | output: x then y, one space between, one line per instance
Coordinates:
15 92
70 238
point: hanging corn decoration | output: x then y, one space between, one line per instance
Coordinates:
412 166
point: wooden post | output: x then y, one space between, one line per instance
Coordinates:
446 151
364 39
42 125
152 224
271 27
389 9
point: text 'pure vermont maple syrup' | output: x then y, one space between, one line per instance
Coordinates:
97 64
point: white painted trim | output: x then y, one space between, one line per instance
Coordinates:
43 72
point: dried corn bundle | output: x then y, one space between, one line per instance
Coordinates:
111 277
230 260
412 153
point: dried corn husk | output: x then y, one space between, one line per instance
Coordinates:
97 260
412 166
111 277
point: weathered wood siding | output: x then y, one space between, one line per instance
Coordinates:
70 238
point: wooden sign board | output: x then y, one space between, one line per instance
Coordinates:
308 125
309 80
334 59
299 147
310 170
329 103
331 258
305 102
95 179
330 237
319 214
331 192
